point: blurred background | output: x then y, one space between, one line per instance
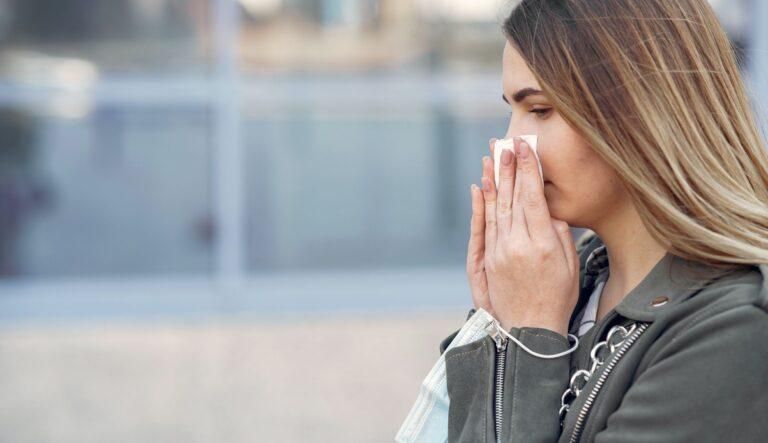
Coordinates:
231 221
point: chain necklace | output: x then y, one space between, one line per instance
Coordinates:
598 355
615 345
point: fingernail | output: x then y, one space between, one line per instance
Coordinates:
473 188
506 157
524 150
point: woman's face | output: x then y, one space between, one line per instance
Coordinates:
580 187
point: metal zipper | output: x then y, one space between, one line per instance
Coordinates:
501 357
601 380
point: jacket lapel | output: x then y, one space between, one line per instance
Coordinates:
670 282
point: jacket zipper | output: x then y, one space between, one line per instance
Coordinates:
501 357
578 427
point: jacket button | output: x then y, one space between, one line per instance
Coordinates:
659 301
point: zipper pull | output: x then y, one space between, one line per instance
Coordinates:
493 329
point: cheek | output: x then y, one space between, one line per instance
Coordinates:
582 189
559 149
564 155
585 200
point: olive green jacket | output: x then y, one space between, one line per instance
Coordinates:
697 372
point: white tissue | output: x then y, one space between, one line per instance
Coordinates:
508 143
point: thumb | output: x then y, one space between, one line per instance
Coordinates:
566 240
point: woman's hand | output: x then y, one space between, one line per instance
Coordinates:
478 283
530 261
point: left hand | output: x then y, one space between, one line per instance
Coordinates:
531 262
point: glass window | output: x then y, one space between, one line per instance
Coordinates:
179 136
366 185
119 190
76 41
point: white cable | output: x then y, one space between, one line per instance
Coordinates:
534 353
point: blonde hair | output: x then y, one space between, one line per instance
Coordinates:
653 86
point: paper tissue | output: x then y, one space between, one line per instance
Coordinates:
508 143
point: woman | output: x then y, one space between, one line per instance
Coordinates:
646 138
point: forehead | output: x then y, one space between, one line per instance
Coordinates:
516 74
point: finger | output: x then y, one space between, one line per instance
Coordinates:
476 246
492 145
519 226
488 169
531 195
488 173
566 240
489 198
504 198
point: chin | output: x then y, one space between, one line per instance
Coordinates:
562 214
556 210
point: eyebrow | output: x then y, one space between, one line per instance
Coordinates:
522 94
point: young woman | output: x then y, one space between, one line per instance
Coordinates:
647 139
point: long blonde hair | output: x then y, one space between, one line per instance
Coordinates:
654 88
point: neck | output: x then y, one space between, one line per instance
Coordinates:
632 252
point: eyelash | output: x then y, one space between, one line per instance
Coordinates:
541 112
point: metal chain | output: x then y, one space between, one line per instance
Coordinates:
580 378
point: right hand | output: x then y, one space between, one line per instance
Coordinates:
478 283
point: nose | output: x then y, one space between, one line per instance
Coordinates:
514 130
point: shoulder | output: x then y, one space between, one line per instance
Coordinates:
742 288
727 317
706 370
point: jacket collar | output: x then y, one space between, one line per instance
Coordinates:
672 280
